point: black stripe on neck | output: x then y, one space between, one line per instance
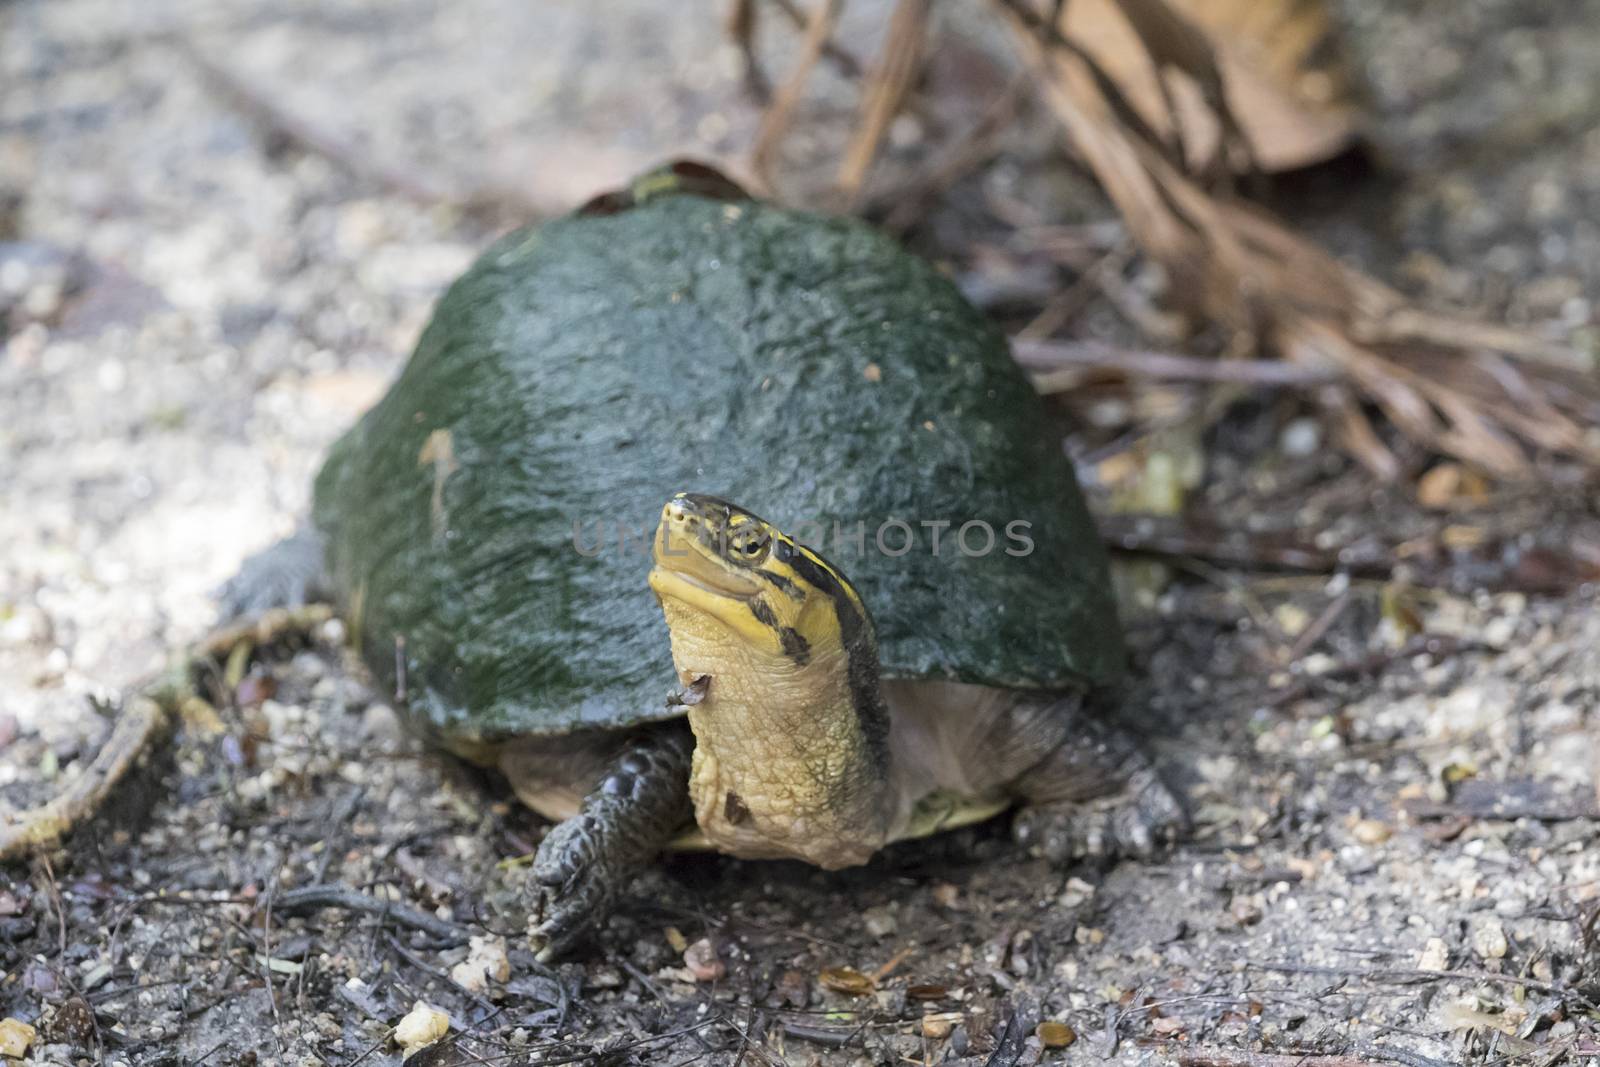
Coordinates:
860 650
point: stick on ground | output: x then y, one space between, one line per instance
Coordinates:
147 717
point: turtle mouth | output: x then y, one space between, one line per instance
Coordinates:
682 556
686 549
718 585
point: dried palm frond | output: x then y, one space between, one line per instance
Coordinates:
888 82
775 123
1489 395
1485 394
1246 82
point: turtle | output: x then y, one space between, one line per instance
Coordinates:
545 539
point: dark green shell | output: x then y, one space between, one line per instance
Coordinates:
808 368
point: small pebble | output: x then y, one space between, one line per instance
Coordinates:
1301 438
15 1038
380 723
880 922
1489 940
703 962
421 1027
1435 956
1246 909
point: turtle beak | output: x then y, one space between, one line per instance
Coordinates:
687 546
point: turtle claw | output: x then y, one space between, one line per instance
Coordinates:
584 862
572 885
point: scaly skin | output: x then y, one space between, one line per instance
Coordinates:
1095 794
791 756
634 813
288 574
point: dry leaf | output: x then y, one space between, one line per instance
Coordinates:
1055 1035
847 980
1450 485
1292 108
1484 394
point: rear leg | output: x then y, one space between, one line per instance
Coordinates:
267 602
1095 793
289 574
146 718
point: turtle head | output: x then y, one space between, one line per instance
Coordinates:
771 591
788 712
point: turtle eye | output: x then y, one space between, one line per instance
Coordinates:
750 543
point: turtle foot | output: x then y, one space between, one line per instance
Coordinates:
1145 816
575 882
583 863
289 574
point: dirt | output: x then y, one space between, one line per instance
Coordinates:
1394 785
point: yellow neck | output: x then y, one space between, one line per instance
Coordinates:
781 765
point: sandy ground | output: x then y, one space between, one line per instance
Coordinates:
1396 854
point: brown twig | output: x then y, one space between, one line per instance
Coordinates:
1065 305
1408 975
1371 664
845 63
1370 1054
887 85
259 631
312 897
775 123
1319 626
1488 567
891 964
1485 804
820 1035
146 718
142 723
961 157
740 27
1220 1058
1060 364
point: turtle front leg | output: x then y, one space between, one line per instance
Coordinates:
1096 794
583 863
